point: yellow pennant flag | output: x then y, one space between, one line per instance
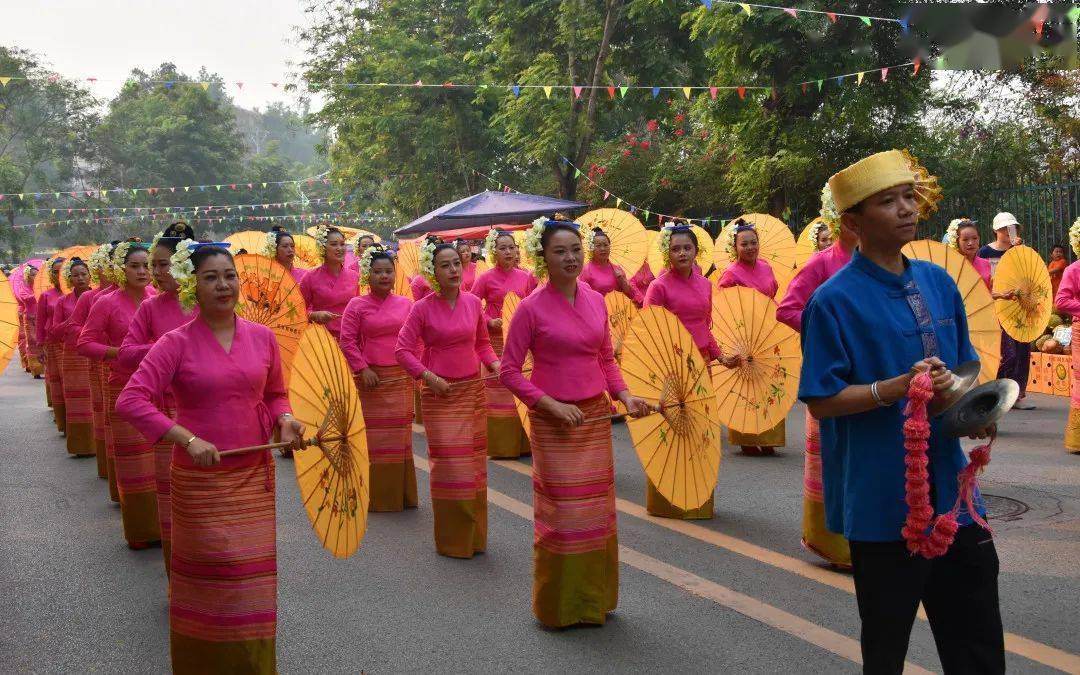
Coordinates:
618 201
746 8
204 85
859 77
547 92
686 92
5 80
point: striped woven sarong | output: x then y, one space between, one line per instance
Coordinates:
54 380
22 340
1072 425
456 427
575 547
223 584
506 436
134 465
388 416
77 404
163 484
97 415
815 536
107 411
32 359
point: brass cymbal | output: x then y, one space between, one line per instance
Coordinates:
965 376
979 408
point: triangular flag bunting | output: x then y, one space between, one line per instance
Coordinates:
623 90
865 19
4 80
884 74
204 85
804 87
746 8
742 92
606 195
686 92
611 92
618 201
655 92
791 12
646 214
858 78
577 172
832 16
516 89
712 92
547 92
577 91
916 65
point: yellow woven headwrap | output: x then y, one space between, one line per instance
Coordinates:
882 171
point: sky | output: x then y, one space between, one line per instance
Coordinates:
247 41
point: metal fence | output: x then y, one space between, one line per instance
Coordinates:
1045 213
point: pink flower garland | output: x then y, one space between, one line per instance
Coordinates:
920 516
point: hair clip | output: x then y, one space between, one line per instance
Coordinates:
204 244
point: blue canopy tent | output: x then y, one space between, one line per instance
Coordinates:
487 208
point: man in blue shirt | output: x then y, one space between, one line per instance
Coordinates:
867 332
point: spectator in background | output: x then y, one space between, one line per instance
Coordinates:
1058 262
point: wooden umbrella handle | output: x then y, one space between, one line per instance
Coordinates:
617 415
315 440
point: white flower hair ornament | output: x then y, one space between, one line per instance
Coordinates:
183 271
952 234
534 247
815 232
490 241
829 212
65 270
97 263
664 242
1074 237
365 263
117 262
26 273
270 244
731 233
322 233
427 264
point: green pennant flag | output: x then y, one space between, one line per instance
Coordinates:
57 195
623 90
865 19
646 214
134 192
218 187
939 63
577 173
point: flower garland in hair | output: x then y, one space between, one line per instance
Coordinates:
365 264
322 233
489 243
1074 237
183 271
116 267
952 233
815 232
65 271
534 248
26 273
665 245
427 264
588 234
829 212
270 244
98 263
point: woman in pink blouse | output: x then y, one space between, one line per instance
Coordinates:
506 436
225 373
78 409
154 318
644 277
752 272
468 265
369 330
281 246
132 458
1068 300
49 345
28 304
442 343
328 288
603 276
564 324
684 292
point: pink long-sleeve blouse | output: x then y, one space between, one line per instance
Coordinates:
644 277
85 305
468 276
370 327
107 326
493 285
759 277
601 278
420 287
821 266
298 274
690 299
228 398
454 339
982 266
42 331
59 313
571 347
154 317
325 291
1068 295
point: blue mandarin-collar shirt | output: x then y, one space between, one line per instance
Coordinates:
867 324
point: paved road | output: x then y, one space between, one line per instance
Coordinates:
733 593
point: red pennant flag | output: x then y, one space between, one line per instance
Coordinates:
239 85
232 186
448 85
153 191
884 74
611 92
832 17
791 12
74 194
577 92
804 87
918 63
712 92
742 92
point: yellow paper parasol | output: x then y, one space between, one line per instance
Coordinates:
333 475
1022 270
269 295
307 253
805 246
776 246
679 448
401 283
408 258
519 239
629 243
757 395
621 311
83 252
510 305
482 266
252 241
9 322
705 252
983 329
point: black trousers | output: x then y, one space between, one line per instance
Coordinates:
958 590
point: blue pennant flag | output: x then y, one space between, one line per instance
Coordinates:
655 92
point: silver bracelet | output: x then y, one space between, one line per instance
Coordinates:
877 396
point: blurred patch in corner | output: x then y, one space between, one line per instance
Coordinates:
992 36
